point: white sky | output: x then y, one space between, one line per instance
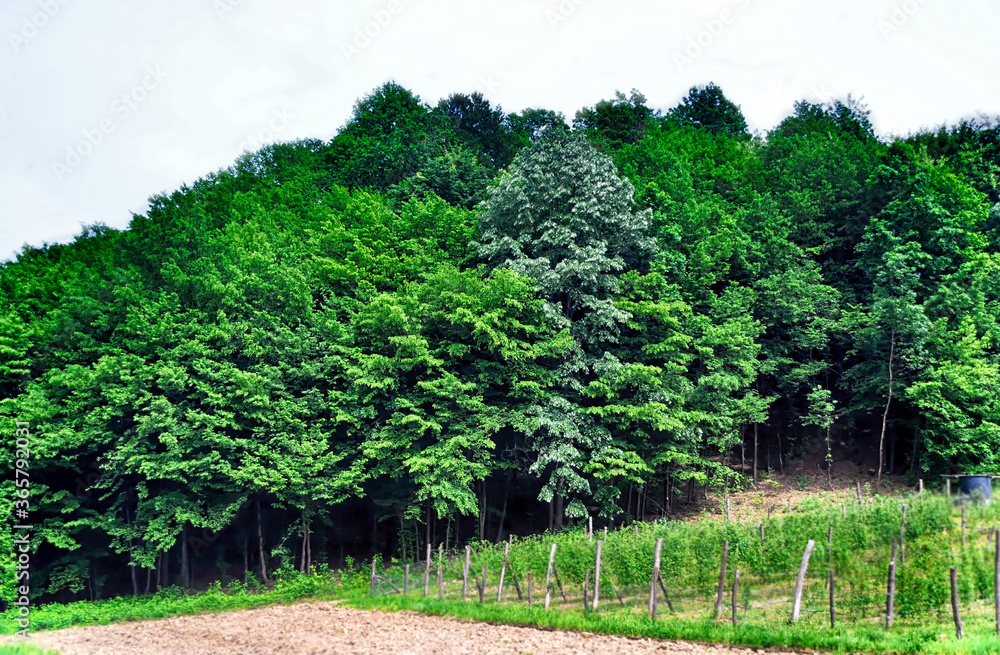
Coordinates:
223 76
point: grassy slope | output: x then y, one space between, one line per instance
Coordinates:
352 587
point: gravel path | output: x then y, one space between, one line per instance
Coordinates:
324 628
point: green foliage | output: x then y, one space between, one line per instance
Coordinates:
442 303
612 123
24 649
709 108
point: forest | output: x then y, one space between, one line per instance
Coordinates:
449 323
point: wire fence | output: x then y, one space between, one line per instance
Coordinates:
882 569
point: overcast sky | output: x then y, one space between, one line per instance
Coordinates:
107 102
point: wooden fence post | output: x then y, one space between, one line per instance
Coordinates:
548 576
763 543
653 581
666 594
590 527
736 585
441 572
371 588
829 564
722 580
503 569
902 537
920 487
562 592
427 573
861 495
586 583
959 628
729 515
597 575
996 579
963 524
890 596
531 589
833 613
947 488
465 572
801 579
482 587
406 580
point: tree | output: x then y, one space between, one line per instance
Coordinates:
485 129
564 218
709 108
531 124
889 334
612 123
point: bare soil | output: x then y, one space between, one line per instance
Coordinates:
776 493
325 628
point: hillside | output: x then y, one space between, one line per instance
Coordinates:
451 323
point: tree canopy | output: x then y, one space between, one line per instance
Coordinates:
450 323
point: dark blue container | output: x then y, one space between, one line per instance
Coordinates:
976 485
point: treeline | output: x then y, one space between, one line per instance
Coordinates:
451 323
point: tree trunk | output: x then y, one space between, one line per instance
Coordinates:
185 563
131 566
427 528
916 449
885 414
260 546
482 514
829 459
755 454
305 543
559 511
667 488
743 451
503 513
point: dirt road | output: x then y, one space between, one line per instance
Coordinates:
324 628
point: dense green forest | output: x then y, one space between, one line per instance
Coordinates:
452 323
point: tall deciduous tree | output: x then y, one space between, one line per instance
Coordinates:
564 218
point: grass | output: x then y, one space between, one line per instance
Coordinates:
862 536
845 639
24 649
289 588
